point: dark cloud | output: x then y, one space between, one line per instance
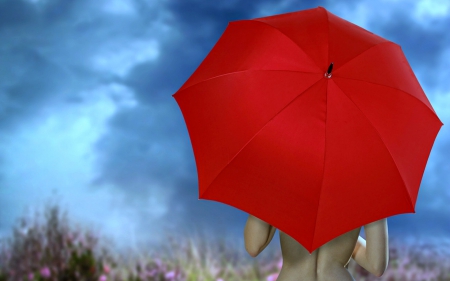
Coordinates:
30 80
141 147
200 24
197 25
422 223
47 54
56 10
154 82
47 50
16 12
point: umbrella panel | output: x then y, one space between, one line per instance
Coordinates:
224 113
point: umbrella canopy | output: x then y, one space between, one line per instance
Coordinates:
310 123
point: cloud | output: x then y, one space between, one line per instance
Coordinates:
52 150
16 13
92 83
25 87
426 10
120 7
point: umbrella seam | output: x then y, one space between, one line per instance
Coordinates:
323 169
430 109
354 57
379 135
290 40
326 118
240 71
325 143
245 145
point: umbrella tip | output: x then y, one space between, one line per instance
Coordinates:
328 73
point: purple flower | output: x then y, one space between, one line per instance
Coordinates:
30 276
45 272
170 274
272 277
106 268
280 264
102 278
153 272
158 262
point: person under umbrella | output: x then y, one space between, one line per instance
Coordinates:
334 257
313 126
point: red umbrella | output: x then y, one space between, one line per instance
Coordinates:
310 123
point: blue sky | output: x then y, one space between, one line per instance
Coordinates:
86 109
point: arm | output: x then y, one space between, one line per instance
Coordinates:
373 254
257 235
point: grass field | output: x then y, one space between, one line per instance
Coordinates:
56 250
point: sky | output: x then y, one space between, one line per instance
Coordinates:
87 114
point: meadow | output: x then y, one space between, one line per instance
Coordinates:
52 248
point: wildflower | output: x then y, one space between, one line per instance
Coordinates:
45 272
280 264
170 274
102 278
106 269
272 277
153 272
220 279
69 240
30 276
158 262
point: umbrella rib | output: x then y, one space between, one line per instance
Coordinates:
245 145
240 71
323 171
354 57
318 67
325 144
431 109
379 135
